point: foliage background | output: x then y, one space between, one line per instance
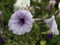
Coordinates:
35 36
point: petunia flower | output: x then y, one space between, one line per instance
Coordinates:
59 6
21 4
48 7
49 36
52 25
52 2
2 40
21 22
39 1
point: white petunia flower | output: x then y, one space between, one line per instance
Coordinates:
52 25
21 4
20 22
59 6
39 1
52 2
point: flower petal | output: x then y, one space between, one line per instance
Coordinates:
52 25
15 23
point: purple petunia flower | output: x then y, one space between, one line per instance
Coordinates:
49 36
48 7
2 40
21 22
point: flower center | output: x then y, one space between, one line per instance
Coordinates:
22 21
